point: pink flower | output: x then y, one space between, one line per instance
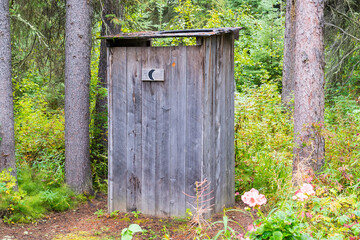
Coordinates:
250 228
261 200
253 190
240 236
300 196
253 198
303 193
237 193
309 215
307 189
309 179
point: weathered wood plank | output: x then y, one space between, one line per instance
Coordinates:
164 136
177 92
161 59
220 128
133 128
118 134
194 121
111 168
208 125
148 140
230 83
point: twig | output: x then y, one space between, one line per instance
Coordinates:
332 25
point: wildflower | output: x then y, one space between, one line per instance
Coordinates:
307 189
304 192
237 193
309 179
253 198
250 228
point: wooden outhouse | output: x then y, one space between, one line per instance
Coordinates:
171 121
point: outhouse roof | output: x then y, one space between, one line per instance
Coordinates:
176 33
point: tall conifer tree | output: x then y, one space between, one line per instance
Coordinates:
77 81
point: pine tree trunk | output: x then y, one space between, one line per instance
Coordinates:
309 89
7 139
100 121
77 81
289 54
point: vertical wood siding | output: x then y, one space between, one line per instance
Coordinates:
164 136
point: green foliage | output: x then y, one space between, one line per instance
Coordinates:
334 212
259 50
39 133
127 233
327 215
99 213
342 118
98 121
37 42
36 196
278 225
263 142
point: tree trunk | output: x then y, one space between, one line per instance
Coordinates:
287 93
309 89
108 27
77 81
7 139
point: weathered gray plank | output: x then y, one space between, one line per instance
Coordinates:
194 121
208 129
118 134
161 59
133 128
148 140
230 83
220 128
110 199
177 92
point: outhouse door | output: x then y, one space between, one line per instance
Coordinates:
155 128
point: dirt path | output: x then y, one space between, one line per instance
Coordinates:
82 223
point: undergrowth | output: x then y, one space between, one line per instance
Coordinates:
36 196
263 142
264 158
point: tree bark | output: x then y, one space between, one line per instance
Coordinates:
309 89
287 93
77 81
7 139
108 27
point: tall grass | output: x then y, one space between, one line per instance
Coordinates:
263 142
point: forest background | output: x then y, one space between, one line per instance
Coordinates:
263 128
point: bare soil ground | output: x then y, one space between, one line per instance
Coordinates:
82 223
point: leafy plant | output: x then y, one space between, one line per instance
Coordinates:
114 214
99 213
263 142
136 214
127 233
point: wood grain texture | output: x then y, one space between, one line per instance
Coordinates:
178 105
149 103
134 164
228 53
162 60
194 120
118 130
175 132
208 115
220 128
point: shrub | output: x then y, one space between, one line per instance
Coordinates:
37 195
263 142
